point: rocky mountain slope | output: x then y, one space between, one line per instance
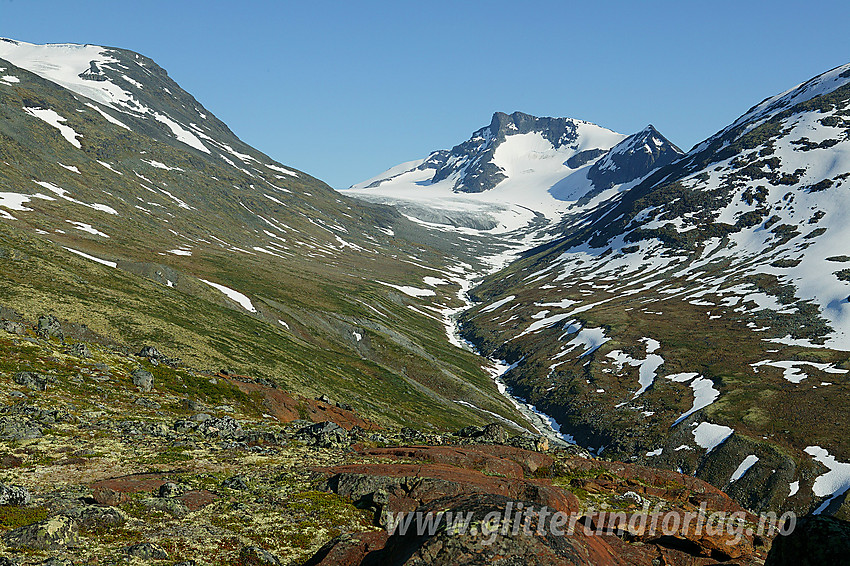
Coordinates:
697 321
111 456
128 207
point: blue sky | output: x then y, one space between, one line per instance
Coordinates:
344 90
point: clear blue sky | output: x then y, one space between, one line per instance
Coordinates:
344 90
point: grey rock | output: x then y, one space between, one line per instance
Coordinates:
256 555
93 516
224 427
34 381
495 433
80 350
14 495
51 534
48 326
150 352
142 379
13 327
170 489
236 482
16 428
147 551
170 505
145 402
324 435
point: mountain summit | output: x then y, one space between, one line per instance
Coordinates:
519 169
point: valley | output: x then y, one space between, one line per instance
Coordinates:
203 348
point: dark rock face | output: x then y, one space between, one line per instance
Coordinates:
470 547
483 487
633 158
816 540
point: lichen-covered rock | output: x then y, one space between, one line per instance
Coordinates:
324 435
13 327
51 534
80 350
14 495
48 325
95 516
256 556
34 381
17 428
147 551
142 379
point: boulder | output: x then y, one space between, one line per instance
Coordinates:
324 435
48 326
80 350
14 495
146 551
142 379
17 428
13 327
34 381
51 534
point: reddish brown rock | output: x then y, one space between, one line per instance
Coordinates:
349 550
286 408
195 500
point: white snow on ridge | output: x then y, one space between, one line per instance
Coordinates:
63 194
15 201
236 296
648 366
55 120
710 436
832 484
744 467
180 133
704 392
532 165
793 371
282 170
498 304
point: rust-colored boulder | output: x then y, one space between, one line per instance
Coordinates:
348 549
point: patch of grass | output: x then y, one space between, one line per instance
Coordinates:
12 517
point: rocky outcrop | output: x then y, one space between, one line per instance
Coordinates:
51 534
490 483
